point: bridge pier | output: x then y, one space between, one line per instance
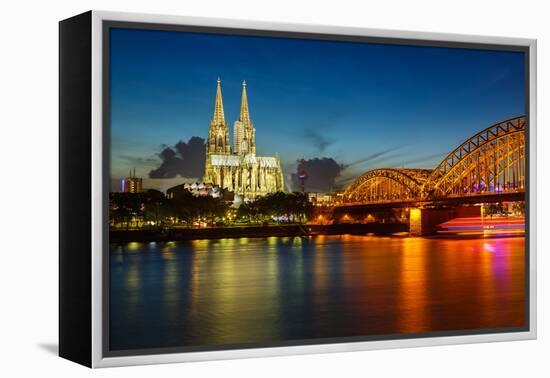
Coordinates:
424 221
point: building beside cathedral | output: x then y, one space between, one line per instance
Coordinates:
237 168
132 183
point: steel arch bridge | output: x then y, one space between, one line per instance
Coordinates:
491 161
386 184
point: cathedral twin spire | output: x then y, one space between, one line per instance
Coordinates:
244 133
236 167
219 117
244 115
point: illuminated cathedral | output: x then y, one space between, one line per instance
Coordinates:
238 169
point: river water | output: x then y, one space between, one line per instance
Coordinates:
250 291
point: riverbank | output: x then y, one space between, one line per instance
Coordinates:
175 234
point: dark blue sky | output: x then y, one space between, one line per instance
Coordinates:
341 100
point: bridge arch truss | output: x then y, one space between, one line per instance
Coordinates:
387 184
492 160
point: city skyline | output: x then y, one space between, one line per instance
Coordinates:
399 109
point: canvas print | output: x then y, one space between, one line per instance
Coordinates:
290 190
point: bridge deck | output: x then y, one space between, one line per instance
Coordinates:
448 201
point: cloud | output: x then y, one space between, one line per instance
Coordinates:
373 156
185 159
318 140
379 159
321 174
136 160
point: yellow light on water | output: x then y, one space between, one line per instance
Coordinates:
133 246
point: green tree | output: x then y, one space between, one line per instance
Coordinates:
294 207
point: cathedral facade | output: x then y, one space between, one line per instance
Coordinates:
237 168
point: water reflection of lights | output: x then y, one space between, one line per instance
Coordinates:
327 284
221 282
221 244
320 269
171 284
203 244
133 277
133 246
483 226
118 248
413 286
168 250
297 240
